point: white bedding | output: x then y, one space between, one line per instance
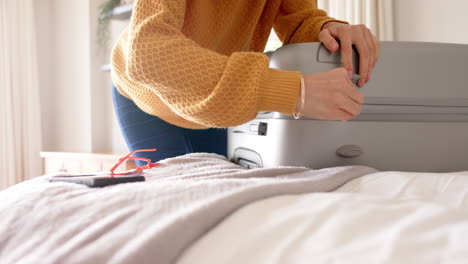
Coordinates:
386 217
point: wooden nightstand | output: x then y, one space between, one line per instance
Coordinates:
66 162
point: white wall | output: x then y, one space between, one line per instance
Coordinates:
431 20
63 40
75 95
46 58
72 75
101 100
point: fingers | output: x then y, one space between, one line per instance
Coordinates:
356 95
364 54
347 98
351 107
328 40
351 98
342 73
345 110
347 86
342 115
377 48
332 96
370 44
347 54
360 36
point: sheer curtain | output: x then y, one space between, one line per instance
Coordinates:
375 14
20 131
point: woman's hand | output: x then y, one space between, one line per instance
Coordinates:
359 35
331 96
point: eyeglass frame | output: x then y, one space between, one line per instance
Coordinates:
149 164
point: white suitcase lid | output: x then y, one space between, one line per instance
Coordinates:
424 81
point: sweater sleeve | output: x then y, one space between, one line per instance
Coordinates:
201 86
300 21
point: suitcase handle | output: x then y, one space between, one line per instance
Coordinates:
326 56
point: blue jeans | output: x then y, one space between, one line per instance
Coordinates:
143 131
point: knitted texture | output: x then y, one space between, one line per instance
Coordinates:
198 63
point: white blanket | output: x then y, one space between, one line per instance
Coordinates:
385 217
148 222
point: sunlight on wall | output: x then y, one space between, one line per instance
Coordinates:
273 42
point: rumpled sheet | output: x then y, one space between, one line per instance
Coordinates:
146 222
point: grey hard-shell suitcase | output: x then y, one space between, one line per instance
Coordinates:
415 115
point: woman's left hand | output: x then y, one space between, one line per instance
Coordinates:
366 43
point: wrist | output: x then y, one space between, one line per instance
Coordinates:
298 104
278 91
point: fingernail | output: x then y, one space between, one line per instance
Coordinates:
334 46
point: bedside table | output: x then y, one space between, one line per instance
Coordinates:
67 162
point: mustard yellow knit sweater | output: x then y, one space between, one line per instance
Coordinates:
199 63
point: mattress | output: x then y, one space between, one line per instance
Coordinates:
385 217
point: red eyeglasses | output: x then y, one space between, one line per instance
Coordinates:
149 164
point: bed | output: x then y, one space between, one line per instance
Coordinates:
201 208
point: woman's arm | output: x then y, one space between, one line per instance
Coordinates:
197 84
301 21
329 95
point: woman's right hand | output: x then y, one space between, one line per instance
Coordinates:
331 96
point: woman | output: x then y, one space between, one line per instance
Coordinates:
184 69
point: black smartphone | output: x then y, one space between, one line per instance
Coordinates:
96 181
